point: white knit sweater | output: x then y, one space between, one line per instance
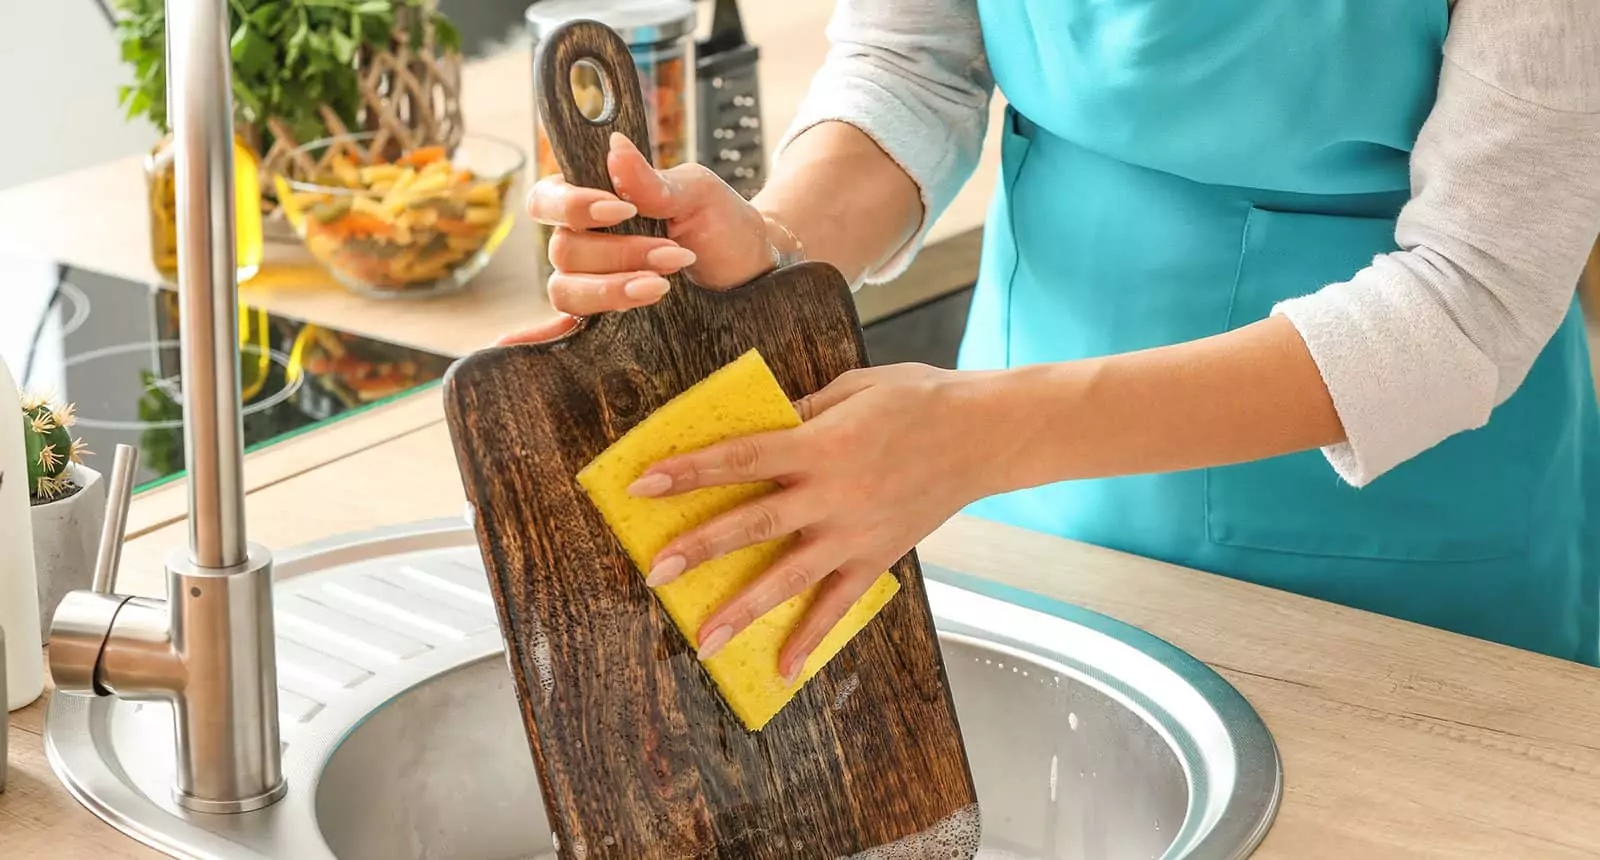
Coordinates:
1425 342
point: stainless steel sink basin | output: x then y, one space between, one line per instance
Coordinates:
1088 738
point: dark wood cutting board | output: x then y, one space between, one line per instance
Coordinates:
637 755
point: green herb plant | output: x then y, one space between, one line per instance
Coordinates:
51 449
290 57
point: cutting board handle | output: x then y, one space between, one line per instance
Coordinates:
579 143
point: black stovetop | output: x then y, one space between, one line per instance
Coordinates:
110 346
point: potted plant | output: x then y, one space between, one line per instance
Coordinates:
68 502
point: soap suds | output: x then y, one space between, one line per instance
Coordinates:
954 838
538 647
543 662
846 690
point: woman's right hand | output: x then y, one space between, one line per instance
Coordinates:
714 234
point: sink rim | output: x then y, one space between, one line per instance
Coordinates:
1216 821
1219 825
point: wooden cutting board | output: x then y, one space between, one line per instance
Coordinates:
636 755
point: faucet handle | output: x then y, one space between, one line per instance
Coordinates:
119 495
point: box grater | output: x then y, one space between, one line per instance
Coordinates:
729 138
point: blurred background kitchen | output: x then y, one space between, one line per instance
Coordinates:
72 67
368 263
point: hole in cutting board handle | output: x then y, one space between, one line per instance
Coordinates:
579 63
592 92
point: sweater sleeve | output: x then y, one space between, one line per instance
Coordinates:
912 75
1425 342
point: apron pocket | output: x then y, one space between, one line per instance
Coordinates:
1466 499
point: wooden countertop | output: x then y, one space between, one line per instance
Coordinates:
1397 740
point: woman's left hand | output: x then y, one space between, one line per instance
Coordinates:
884 456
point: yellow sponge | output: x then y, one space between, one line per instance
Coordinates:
740 399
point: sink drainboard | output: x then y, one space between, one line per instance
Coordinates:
1088 738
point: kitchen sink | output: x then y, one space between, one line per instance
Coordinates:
1088 738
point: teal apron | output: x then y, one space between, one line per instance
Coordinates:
1171 170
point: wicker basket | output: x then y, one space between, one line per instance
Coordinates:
411 97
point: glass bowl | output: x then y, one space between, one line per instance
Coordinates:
421 224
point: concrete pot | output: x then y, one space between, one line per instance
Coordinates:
66 536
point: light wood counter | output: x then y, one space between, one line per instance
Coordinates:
1397 740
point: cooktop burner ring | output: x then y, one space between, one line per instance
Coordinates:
67 291
171 387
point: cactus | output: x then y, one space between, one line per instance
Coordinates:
51 450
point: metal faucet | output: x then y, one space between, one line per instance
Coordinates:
208 649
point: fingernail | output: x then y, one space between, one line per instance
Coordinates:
669 258
666 570
645 289
650 485
714 643
618 139
792 674
612 211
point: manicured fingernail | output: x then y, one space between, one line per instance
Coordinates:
670 258
612 211
650 486
645 289
666 570
792 674
622 141
714 643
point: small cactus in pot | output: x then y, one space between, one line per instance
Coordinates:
68 502
50 448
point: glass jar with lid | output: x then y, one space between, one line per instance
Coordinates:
660 36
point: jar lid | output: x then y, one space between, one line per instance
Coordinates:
639 22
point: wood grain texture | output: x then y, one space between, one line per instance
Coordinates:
638 755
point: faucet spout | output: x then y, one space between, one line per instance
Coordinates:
208 649
200 111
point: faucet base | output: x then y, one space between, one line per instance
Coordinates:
224 638
230 807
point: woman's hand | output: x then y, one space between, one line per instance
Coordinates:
714 234
884 456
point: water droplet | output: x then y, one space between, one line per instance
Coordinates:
1072 721
1055 762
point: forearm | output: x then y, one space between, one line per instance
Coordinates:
890 128
845 200
1244 395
